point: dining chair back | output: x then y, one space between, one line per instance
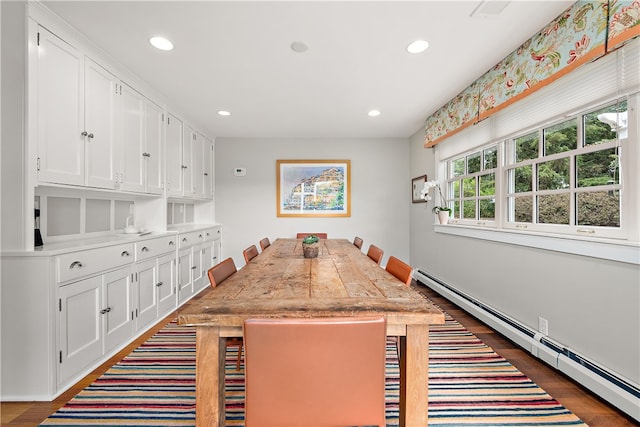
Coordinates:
264 243
250 253
375 253
315 372
399 269
303 235
219 272
357 241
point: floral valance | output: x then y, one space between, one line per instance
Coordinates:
584 32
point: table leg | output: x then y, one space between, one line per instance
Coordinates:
210 349
414 376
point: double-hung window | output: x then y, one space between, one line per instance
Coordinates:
471 185
565 177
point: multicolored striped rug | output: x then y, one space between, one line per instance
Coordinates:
469 385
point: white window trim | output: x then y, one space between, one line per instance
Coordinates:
612 250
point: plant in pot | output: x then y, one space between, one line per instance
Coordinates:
310 246
443 212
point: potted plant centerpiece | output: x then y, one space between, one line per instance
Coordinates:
310 246
443 212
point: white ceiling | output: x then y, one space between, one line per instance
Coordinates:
236 56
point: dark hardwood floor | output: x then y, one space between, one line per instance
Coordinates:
590 408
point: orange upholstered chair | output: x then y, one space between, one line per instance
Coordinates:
375 253
218 274
399 269
357 242
264 243
402 271
303 235
250 253
314 372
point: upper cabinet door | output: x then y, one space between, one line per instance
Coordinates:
199 152
153 158
187 160
208 169
100 97
130 139
60 110
174 137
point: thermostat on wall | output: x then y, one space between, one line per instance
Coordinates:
240 171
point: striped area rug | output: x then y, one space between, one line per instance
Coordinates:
469 385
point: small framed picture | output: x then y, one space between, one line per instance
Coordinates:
416 187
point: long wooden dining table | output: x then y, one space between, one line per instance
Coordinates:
280 282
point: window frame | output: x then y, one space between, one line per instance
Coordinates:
603 242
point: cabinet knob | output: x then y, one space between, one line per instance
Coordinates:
159 284
171 243
90 136
85 133
75 264
146 154
144 249
105 310
125 253
184 240
194 267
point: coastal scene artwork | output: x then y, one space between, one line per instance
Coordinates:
307 188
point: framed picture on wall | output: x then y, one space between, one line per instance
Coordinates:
416 187
313 188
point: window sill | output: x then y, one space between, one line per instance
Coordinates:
608 249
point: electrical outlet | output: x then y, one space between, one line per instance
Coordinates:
543 326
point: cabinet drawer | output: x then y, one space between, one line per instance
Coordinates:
212 234
155 247
75 265
191 238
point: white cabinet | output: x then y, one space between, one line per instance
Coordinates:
201 167
173 144
101 158
198 251
189 161
75 109
94 318
59 70
155 280
153 152
92 129
140 131
131 143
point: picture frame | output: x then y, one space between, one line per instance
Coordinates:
313 188
417 184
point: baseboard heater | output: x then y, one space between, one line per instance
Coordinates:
618 391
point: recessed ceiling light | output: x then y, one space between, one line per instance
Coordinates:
299 47
374 113
224 113
161 43
418 46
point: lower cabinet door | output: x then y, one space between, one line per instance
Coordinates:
80 336
117 310
146 294
185 275
166 285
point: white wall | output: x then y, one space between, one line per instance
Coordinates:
592 305
13 60
380 192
